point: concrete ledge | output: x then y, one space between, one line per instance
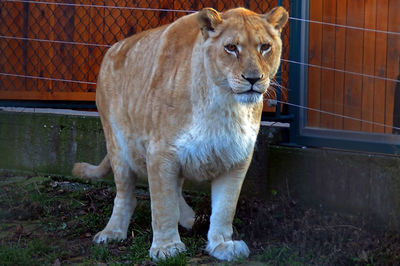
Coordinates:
357 183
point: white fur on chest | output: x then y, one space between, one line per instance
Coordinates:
215 142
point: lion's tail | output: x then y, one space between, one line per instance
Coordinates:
88 171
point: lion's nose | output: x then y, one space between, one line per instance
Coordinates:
252 80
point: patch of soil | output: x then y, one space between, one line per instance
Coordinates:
68 214
323 237
329 237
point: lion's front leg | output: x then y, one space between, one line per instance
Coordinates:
224 196
164 194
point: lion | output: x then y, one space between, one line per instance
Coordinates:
184 101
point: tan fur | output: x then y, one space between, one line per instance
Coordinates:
85 170
175 103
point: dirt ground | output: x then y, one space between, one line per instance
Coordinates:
51 221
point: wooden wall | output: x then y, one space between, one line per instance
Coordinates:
371 53
81 25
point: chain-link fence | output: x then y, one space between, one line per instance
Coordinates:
52 50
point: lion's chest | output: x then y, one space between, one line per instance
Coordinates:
207 149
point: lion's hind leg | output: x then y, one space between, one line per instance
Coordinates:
186 213
124 204
85 170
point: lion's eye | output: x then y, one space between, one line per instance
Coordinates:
265 48
231 48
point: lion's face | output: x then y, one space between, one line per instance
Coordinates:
242 52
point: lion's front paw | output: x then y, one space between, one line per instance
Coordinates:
228 250
170 250
107 236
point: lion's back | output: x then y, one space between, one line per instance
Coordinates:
143 82
133 52
145 59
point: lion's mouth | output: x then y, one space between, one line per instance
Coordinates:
249 97
251 91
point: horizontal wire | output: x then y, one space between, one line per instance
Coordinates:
54 41
284 60
330 113
341 70
338 115
192 11
46 78
344 26
104 6
282 102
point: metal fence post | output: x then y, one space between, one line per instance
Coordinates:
279 81
298 9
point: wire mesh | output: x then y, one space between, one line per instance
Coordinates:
52 50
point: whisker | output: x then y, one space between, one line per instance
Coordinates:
275 83
271 90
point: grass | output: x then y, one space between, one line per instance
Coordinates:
42 221
93 221
194 245
34 252
100 253
284 255
138 251
83 212
178 260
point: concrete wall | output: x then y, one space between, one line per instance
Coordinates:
48 143
350 182
357 183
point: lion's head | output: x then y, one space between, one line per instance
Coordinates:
242 50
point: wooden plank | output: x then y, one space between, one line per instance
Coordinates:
396 109
259 6
96 32
63 58
81 34
218 5
120 23
380 64
139 20
12 51
38 62
328 60
340 54
165 17
393 58
113 22
354 55
368 66
56 96
314 57
185 5
285 50
193 5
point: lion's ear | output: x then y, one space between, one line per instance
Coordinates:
208 19
278 17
